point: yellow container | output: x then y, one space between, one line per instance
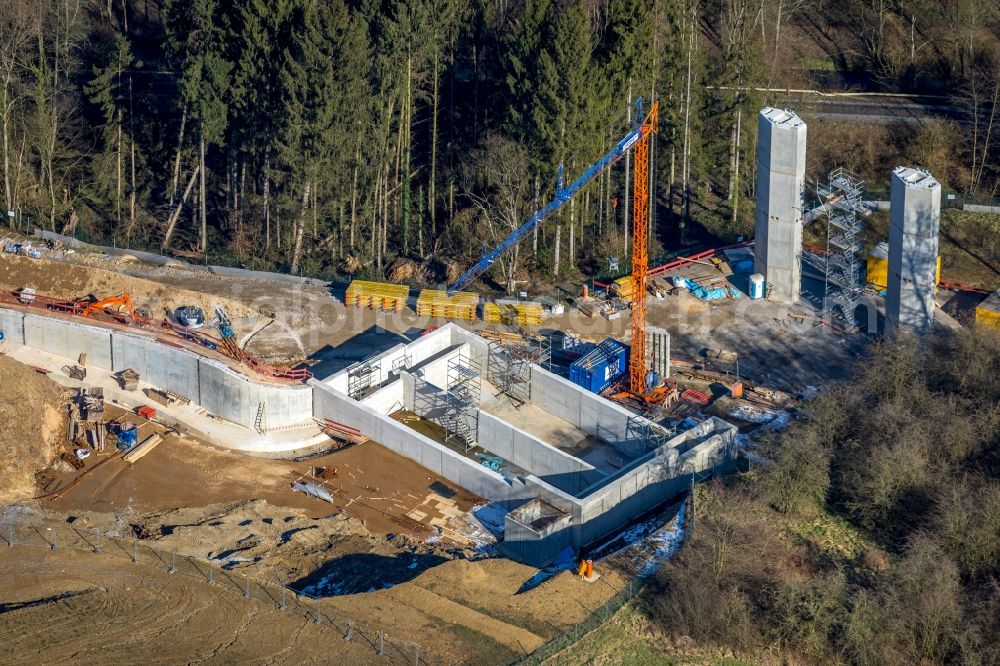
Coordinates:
877 269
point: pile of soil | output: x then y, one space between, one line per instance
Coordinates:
34 423
70 281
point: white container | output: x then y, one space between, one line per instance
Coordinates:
756 286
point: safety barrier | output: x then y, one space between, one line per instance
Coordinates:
377 295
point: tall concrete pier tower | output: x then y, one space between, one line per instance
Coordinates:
781 172
914 222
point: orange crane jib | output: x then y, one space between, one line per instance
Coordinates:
637 366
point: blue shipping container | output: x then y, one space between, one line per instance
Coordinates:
605 364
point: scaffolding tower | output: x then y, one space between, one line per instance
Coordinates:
362 377
844 283
461 418
508 366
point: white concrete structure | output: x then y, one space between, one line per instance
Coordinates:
617 466
914 223
781 171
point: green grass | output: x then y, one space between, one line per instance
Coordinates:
623 640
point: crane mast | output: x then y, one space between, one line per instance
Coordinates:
638 140
637 366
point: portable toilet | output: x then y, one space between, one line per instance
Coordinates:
756 286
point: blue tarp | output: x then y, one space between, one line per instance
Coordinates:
705 293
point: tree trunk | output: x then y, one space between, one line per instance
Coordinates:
407 113
686 165
555 265
354 191
300 230
267 198
132 188
628 166
177 157
736 167
572 231
534 240
118 173
176 214
432 184
204 194
5 109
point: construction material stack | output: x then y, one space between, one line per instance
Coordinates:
460 305
513 313
377 295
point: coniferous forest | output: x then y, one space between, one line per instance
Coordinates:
330 137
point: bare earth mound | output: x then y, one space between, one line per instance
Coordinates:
31 425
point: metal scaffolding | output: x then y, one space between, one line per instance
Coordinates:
641 437
465 387
842 196
508 366
362 377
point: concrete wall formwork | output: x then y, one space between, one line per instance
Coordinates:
781 169
69 339
12 325
914 224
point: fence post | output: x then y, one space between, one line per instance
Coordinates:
97 547
417 662
53 544
173 561
319 618
381 643
350 629
246 592
282 605
211 573
135 553
10 535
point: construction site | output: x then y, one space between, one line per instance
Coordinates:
380 443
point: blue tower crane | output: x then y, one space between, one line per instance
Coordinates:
562 196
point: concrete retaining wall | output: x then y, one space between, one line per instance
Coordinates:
233 396
12 325
69 339
219 389
159 364
548 463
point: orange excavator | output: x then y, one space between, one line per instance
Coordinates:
119 307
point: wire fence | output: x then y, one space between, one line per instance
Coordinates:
385 644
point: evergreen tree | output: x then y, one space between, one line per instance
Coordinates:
198 33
